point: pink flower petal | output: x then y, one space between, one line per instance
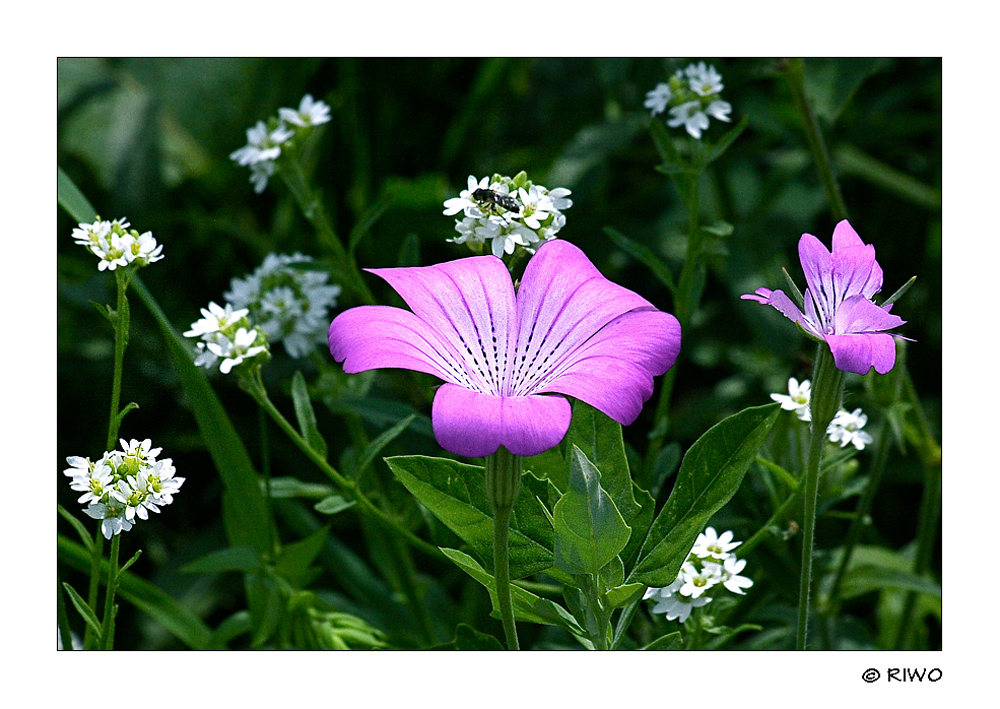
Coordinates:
613 371
859 353
380 337
470 304
474 425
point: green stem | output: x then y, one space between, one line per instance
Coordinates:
817 146
684 304
108 621
828 388
290 170
503 478
256 389
121 341
930 508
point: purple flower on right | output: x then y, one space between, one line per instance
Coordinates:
838 302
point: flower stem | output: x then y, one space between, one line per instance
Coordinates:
503 478
821 156
256 389
828 388
930 507
108 621
312 208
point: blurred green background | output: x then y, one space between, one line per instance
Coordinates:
149 139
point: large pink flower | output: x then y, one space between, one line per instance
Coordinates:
838 302
504 358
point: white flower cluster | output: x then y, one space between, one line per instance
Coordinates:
288 302
115 245
228 335
692 95
124 485
507 212
710 564
845 427
264 140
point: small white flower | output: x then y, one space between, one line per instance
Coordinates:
719 110
672 604
216 319
234 352
797 398
262 144
731 579
704 81
310 113
111 250
846 428
657 99
142 249
696 581
690 116
710 545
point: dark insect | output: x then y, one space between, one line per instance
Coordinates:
484 196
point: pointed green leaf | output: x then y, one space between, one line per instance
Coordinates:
293 564
710 474
620 595
380 442
456 494
716 151
527 606
287 486
468 638
229 559
81 606
305 415
672 641
333 504
87 537
644 255
589 530
175 617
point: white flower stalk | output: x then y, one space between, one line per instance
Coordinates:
692 96
267 139
710 565
116 246
124 485
507 213
287 301
797 398
846 428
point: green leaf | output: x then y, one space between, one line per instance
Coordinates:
874 568
710 474
293 564
287 486
85 536
672 641
85 611
176 618
468 638
383 439
620 595
527 606
72 200
333 504
644 255
231 559
589 530
456 494
305 415
716 151
599 437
